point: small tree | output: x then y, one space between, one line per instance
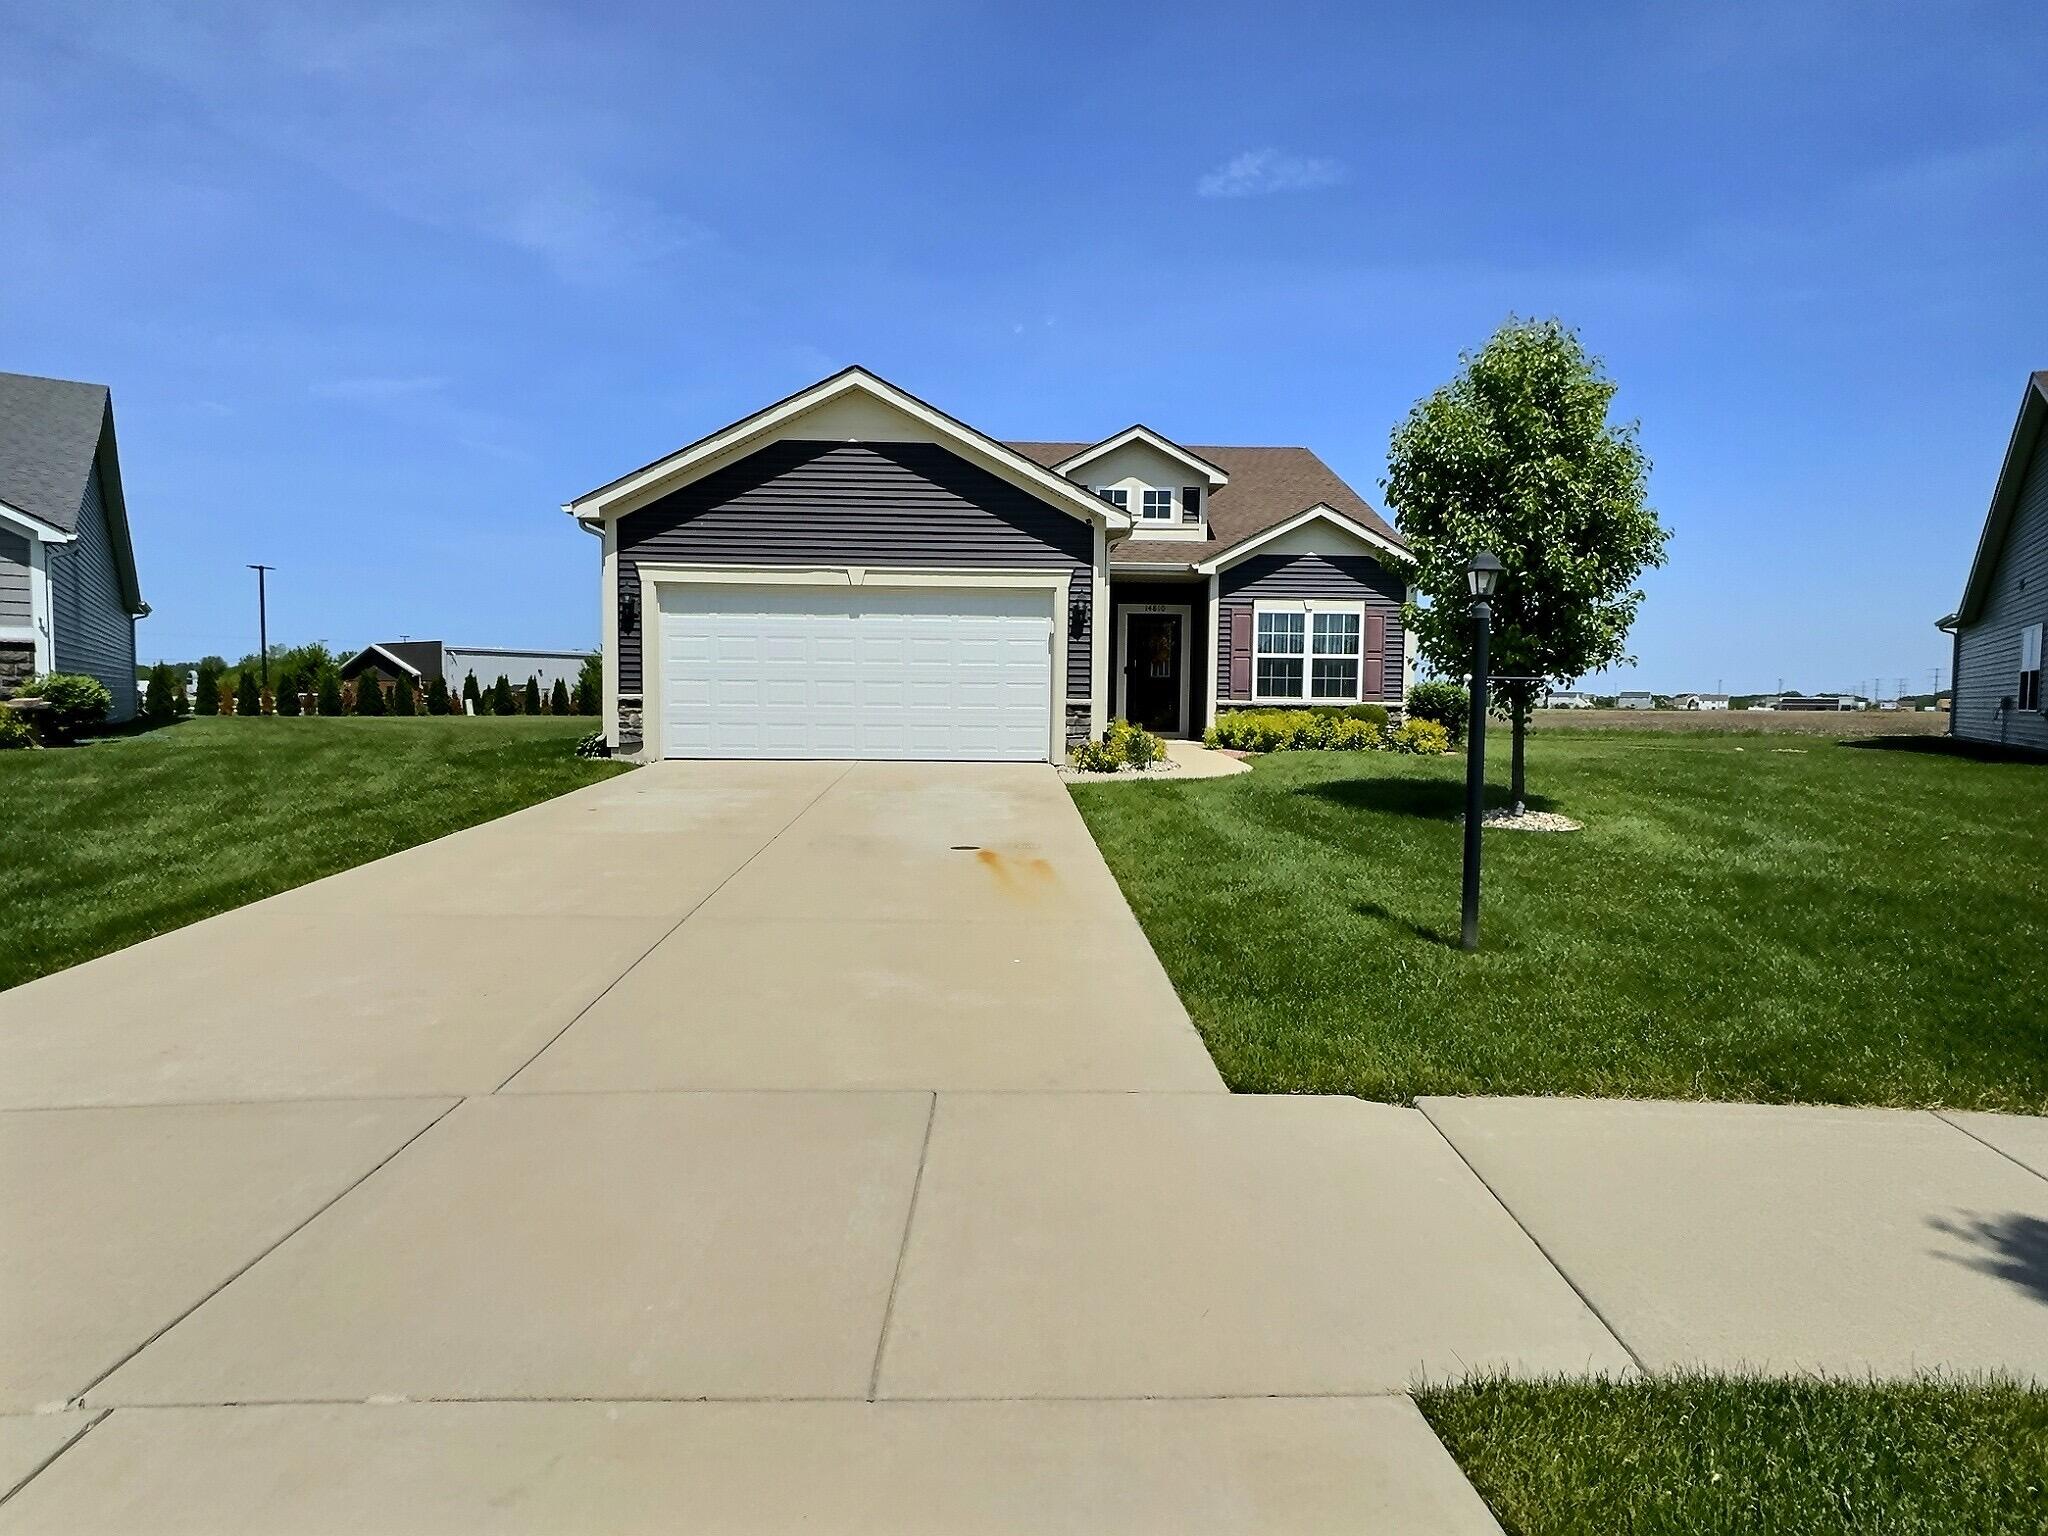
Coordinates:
1516 455
248 699
501 697
532 694
158 706
590 686
369 693
558 698
329 700
288 695
437 697
206 695
472 697
402 697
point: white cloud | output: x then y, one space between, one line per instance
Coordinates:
379 387
1257 172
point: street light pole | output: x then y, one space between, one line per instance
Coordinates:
1482 574
262 622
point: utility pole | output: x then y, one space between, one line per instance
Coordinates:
263 621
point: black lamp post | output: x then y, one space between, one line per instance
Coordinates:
1482 574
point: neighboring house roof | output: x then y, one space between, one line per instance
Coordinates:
52 432
383 656
2019 453
1268 487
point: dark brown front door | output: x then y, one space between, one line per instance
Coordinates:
1152 670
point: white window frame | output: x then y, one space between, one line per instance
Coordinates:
1309 608
2030 652
1116 495
1163 498
39 631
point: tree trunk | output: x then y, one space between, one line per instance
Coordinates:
1519 713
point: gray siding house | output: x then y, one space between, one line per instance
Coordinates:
1998 626
850 572
425 660
68 592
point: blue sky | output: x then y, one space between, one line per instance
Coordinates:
378 287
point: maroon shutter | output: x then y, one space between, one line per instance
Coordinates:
1241 652
1374 682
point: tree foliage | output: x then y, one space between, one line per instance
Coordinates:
558 698
159 703
403 700
248 699
1517 455
328 694
437 697
206 693
369 693
288 694
590 687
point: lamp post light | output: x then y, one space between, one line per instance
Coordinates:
1482 575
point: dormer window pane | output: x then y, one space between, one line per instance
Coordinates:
1191 504
1157 507
1116 496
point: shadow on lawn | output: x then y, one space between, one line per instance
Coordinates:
1947 746
1430 799
1393 919
2012 1248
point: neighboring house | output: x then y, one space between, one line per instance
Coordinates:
425 660
1701 701
1636 701
1996 684
851 572
1565 699
68 592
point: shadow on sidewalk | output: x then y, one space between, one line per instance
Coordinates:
2012 1248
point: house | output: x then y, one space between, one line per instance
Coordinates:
425 660
1700 701
1996 682
69 597
851 572
1566 699
1636 701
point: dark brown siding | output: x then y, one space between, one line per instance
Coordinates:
805 503
1357 578
1987 657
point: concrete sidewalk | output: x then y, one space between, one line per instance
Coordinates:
765 1145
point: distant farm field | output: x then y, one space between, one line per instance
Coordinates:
1798 722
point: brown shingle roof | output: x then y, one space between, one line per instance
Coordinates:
1267 486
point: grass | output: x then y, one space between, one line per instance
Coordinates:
1708 1456
1750 918
131 836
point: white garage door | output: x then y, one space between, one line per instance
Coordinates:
912 672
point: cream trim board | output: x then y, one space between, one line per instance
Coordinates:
1123 649
1216 638
1246 548
608 632
37 530
654 576
1098 638
38 630
1213 473
678 469
1309 607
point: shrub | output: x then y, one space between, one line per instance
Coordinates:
248 698
402 697
1425 738
14 732
472 699
501 697
437 697
1123 745
288 695
590 687
532 695
369 694
158 704
76 703
594 745
329 700
1300 730
1447 704
558 699
206 696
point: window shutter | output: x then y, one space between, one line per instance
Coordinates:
1241 652
1191 503
1373 682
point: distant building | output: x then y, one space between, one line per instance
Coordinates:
1818 701
425 660
1701 701
1636 701
1564 698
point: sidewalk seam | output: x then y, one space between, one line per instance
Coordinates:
903 1249
669 932
1548 1257
78 1398
1942 1116
50 1460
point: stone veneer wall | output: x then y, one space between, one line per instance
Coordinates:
17 665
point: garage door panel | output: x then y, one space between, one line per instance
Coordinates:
824 672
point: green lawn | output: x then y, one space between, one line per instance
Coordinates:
1707 1456
1742 918
114 841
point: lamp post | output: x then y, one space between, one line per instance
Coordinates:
263 621
1482 574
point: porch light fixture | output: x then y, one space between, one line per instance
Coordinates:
1077 618
1482 574
629 614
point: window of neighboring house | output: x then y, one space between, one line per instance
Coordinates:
1335 671
1282 637
1116 496
1157 506
2030 667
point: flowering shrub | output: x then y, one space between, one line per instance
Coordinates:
1425 738
1296 730
1123 745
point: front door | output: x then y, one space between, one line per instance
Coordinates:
1152 670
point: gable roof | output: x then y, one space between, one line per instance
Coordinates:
52 433
632 490
2019 455
1268 487
1138 432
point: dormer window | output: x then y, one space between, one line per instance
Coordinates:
1157 507
1116 496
